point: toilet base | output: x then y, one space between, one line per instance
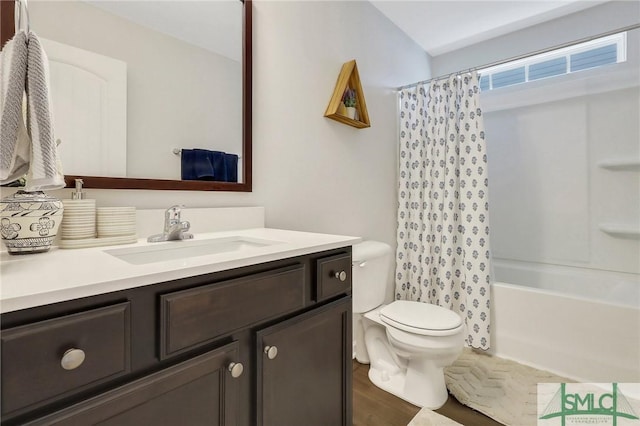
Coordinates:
421 384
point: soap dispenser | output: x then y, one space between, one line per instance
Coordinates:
78 194
79 220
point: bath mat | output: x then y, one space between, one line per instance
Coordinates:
426 417
499 388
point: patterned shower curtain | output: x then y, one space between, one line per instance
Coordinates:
443 214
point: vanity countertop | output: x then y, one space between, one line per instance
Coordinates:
34 280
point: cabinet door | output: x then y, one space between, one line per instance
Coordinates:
304 369
200 391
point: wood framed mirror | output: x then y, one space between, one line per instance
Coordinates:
7 30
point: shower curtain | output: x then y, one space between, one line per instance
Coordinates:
443 218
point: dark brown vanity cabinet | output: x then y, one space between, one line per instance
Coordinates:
259 345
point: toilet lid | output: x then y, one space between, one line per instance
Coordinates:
418 317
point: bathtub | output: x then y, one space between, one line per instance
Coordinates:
579 323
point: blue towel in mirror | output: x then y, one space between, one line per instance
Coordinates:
219 166
187 160
203 164
196 165
231 167
203 167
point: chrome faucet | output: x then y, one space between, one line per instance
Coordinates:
174 228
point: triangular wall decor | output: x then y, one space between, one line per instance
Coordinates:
348 87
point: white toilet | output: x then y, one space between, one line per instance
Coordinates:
407 343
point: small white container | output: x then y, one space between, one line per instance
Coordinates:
116 221
79 221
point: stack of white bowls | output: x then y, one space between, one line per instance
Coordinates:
116 221
78 220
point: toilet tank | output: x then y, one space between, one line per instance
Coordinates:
370 284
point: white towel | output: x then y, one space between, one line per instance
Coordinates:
45 171
14 142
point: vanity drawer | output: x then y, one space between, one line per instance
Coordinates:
193 317
32 355
333 276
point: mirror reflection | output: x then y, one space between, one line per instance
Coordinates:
146 89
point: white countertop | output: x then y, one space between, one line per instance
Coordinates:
33 280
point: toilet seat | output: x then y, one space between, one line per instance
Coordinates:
421 318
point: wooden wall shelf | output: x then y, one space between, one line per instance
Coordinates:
348 79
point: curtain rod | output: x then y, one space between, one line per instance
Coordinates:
526 55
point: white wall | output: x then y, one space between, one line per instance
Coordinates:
312 173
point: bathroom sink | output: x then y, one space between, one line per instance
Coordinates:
173 250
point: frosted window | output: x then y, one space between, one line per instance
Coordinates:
594 58
548 68
591 54
509 77
484 83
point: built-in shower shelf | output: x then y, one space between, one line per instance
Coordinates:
621 165
621 231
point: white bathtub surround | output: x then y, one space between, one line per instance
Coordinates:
565 209
600 286
443 233
551 201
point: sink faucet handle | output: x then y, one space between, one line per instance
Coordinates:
173 212
172 216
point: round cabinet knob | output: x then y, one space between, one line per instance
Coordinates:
236 369
271 351
342 275
72 359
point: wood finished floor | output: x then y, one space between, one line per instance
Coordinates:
375 407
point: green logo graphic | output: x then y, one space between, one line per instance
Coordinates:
564 404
